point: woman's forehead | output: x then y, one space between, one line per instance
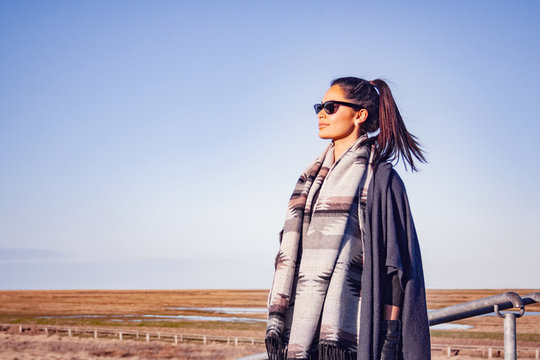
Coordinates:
334 93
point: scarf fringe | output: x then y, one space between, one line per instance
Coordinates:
274 347
333 352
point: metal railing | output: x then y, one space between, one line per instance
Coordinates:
495 303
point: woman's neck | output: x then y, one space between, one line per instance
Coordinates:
342 145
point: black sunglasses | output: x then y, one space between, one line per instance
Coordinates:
332 106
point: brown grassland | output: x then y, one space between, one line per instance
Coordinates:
28 306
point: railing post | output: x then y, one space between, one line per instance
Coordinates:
510 348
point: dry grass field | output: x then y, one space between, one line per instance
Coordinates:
29 306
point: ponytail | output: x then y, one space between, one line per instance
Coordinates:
394 141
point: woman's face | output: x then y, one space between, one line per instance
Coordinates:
344 123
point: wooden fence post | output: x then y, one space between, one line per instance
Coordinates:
72 332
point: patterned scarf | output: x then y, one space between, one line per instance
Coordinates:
313 308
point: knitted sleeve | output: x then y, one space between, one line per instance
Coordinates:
393 293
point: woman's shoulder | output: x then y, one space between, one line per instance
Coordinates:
385 183
386 177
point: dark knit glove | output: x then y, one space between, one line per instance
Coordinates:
389 336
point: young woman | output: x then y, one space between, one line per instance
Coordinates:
349 282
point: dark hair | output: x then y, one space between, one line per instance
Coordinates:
393 142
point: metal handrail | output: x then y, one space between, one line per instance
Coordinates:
495 303
469 309
531 298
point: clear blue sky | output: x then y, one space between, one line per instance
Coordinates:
154 144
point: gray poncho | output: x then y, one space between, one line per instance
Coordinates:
391 244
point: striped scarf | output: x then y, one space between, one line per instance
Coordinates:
313 308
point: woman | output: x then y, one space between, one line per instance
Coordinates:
349 281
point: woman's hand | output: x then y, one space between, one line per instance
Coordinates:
390 334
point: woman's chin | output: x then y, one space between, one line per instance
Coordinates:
322 135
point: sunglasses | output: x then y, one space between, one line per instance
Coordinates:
330 107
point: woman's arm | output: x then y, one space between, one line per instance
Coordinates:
393 297
390 331
391 312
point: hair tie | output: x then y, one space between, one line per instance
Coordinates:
375 87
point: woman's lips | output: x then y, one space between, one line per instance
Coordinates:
322 126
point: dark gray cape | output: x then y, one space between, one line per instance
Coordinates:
391 244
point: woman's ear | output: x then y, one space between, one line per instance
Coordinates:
360 117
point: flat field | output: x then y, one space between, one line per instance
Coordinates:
150 310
